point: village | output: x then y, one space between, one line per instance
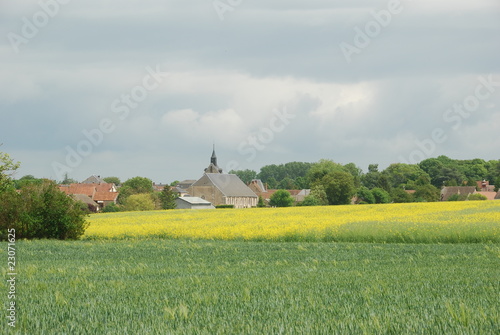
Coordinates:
216 189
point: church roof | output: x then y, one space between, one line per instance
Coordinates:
229 184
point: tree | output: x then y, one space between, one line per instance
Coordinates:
365 196
427 193
261 202
371 179
139 202
113 180
7 169
246 176
381 196
318 192
356 173
281 198
399 195
400 174
67 180
41 211
167 198
136 185
25 180
310 200
339 187
321 169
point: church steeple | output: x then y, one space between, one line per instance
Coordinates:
213 168
213 159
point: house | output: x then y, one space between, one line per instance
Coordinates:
497 197
448 191
221 188
193 203
101 193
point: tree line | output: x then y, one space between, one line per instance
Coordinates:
333 184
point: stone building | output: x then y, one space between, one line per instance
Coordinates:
221 188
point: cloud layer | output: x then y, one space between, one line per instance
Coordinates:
228 78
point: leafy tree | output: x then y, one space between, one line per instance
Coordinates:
174 183
113 180
272 183
136 185
339 187
261 202
371 179
322 168
287 184
139 202
67 180
381 196
310 200
246 176
399 195
427 193
7 168
25 180
318 192
41 211
366 196
281 198
401 175
356 173
167 198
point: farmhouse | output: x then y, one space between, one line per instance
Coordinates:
221 188
448 191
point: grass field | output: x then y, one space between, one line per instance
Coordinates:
267 271
159 286
444 222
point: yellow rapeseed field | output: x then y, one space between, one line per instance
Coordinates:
465 221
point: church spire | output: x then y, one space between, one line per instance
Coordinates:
213 159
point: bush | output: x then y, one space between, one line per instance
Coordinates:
365 196
41 211
477 196
224 206
139 202
381 196
111 208
281 198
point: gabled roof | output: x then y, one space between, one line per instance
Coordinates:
105 196
93 180
87 189
229 184
448 191
497 197
195 200
85 199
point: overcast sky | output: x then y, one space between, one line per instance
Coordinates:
144 88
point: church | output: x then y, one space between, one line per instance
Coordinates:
221 188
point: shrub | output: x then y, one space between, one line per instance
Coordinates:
281 198
111 208
477 196
41 211
139 202
381 196
224 206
